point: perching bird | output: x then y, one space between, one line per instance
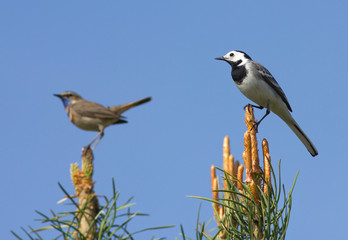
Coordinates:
258 84
92 116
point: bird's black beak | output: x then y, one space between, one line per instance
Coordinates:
220 58
57 95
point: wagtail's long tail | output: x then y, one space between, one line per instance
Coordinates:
301 135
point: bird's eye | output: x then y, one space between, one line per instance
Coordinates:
231 54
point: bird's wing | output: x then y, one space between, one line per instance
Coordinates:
267 76
92 109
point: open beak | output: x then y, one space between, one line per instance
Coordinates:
220 58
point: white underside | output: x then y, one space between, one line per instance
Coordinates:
258 91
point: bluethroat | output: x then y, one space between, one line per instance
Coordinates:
92 116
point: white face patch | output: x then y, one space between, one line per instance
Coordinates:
235 56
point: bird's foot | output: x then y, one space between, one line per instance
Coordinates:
246 106
85 149
251 105
255 126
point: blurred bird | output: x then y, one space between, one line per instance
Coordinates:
92 116
258 84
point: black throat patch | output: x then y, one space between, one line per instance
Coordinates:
238 72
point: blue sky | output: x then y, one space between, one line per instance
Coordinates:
114 52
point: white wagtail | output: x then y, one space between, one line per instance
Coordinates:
258 84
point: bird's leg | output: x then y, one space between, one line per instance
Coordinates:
100 134
94 139
254 106
257 123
